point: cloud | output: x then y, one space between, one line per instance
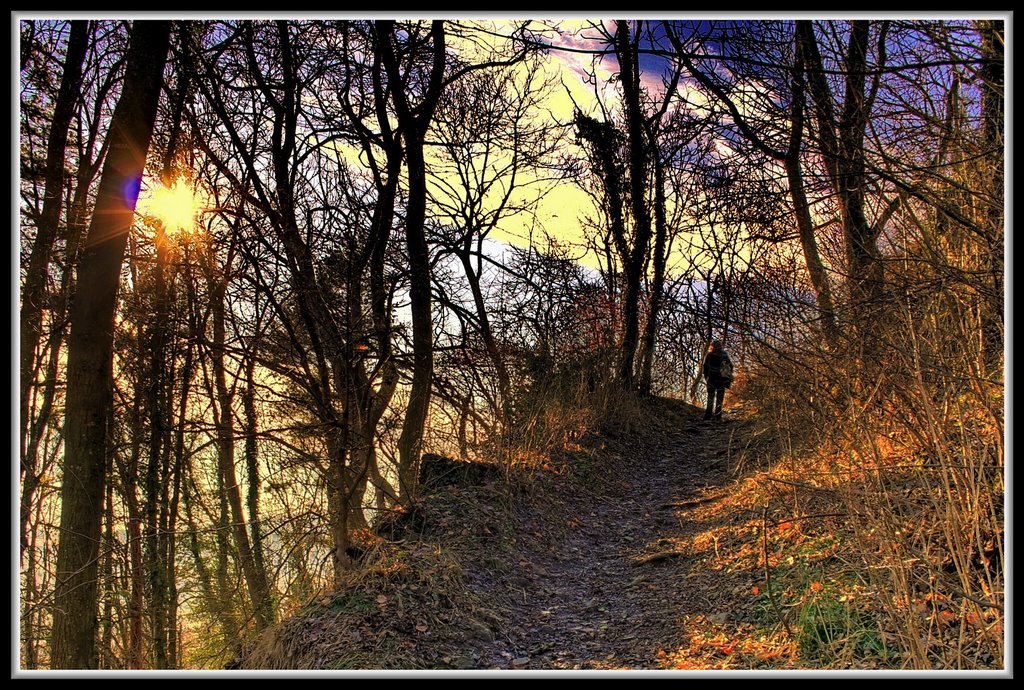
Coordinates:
578 53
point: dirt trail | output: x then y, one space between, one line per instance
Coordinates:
616 554
615 591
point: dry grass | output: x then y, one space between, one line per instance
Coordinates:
414 601
902 448
409 605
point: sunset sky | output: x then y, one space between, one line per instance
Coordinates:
579 58
575 57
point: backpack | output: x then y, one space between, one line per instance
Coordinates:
727 371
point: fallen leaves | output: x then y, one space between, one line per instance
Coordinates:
720 647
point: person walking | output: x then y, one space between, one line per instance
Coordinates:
717 371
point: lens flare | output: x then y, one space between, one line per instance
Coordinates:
130 191
175 206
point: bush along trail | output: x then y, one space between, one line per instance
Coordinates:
666 542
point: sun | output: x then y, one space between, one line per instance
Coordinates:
175 206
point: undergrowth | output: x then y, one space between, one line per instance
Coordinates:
411 602
894 457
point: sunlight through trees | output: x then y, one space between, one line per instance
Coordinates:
267 265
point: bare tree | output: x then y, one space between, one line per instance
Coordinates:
47 226
498 160
767 131
842 146
90 348
414 118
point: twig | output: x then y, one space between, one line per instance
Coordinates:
799 484
660 556
981 602
692 502
816 515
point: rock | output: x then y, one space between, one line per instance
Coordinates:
481 631
437 471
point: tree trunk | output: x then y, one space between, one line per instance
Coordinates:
992 109
842 146
364 404
256 581
34 288
155 401
33 291
493 350
90 351
227 604
629 77
805 225
252 470
107 617
173 505
129 474
658 282
29 599
411 441
413 123
215 604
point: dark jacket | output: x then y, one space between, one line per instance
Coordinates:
713 368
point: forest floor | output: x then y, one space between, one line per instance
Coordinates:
628 585
625 550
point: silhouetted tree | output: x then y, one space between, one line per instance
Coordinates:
90 351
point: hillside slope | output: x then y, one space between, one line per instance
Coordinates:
651 546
